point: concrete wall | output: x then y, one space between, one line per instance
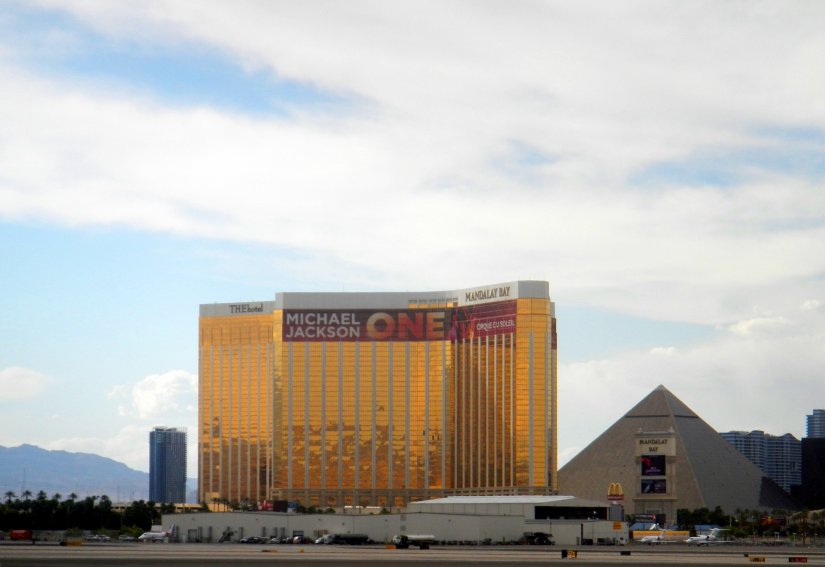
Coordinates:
581 532
382 527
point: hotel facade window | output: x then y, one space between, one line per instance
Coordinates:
378 399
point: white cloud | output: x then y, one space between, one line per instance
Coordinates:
663 351
120 391
344 186
159 397
442 108
19 384
759 325
811 305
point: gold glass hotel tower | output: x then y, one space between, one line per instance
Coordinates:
339 399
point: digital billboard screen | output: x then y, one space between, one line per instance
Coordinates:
477 321
654 487
653 465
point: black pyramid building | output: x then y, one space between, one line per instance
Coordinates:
666 457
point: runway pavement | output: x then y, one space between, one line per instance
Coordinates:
140 555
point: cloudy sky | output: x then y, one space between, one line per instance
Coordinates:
661 164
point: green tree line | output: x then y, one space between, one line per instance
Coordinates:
42 512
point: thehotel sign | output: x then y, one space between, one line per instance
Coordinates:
236 308
468 322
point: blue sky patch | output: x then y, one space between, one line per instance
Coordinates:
588 333
717 173
795 135
180 73
523 161
726 169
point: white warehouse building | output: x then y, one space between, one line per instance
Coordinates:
455 519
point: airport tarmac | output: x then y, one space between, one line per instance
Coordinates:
140 555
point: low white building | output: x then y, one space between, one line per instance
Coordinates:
456 519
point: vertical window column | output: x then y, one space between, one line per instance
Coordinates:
511 370
307 364
487 411
290 421
357 425
531 411
496 412
341 416
407 415
226 430
323 448
390 416
443 425
427 429
374 455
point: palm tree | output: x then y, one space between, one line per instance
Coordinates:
816 518
27 494
9 496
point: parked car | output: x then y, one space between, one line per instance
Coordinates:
404 541
252 539
537 538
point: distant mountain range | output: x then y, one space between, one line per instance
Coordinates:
31 468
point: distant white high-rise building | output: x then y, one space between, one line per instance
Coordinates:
816 424
779 457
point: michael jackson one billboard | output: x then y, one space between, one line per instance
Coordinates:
456 323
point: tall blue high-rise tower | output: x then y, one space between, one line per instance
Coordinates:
812 491
167 465
816 424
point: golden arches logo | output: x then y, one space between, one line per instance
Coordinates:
615 492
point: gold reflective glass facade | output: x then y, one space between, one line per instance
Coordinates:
235 404
379 399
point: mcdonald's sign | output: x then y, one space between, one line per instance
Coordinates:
615 492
